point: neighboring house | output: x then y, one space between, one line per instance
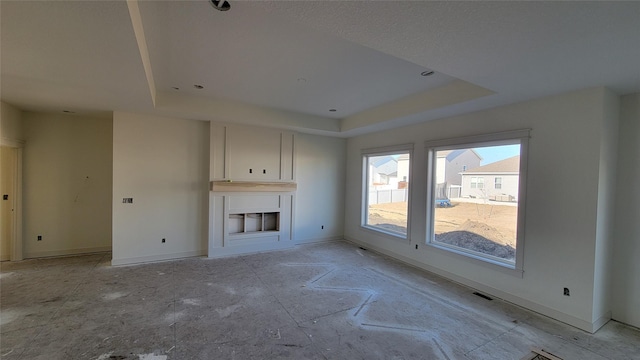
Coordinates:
495 181
449 165
384 171
403 171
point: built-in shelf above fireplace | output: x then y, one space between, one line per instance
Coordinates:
248 223
252 186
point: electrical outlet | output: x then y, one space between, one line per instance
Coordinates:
322 227
164 240
39 237
416 246
566 292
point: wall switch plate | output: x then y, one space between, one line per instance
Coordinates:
5 197
39 237
127 200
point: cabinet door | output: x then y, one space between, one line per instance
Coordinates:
253 154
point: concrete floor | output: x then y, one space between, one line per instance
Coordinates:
323 301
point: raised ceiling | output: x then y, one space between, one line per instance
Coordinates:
287 64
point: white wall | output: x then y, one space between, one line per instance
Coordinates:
562 204
163 164
10 122
626 273
66 184
319 201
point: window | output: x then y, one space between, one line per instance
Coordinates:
477 183
386 190
480 223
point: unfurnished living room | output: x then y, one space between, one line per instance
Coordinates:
220 179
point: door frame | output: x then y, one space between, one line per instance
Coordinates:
16 233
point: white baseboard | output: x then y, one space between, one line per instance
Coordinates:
41 254
249 249
154 258
317 240
591 327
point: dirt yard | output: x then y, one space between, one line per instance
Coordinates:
486 228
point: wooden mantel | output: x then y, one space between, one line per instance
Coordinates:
252 186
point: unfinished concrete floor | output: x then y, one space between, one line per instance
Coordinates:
323 301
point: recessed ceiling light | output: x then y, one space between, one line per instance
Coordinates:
175 88
427 73
199 87
333 110
222 5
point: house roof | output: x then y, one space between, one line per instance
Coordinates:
509 165
387 167
287 64
452 154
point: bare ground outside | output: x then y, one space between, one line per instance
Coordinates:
487 228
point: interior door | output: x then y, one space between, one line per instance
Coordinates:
8 168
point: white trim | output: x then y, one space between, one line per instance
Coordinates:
382 151
387 150
230 250
41 254
17 251
155 258
16 240
466 173
476 258
317 240
496 138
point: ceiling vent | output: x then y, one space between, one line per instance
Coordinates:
222 5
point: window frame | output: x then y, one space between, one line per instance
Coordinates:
494 139
497 185
364 209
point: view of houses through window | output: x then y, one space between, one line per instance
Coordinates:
474 199
475 206
387 192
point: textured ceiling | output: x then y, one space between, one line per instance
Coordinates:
285 64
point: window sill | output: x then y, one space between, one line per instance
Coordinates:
380 231
478 260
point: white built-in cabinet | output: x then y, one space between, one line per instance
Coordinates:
252 154
252 188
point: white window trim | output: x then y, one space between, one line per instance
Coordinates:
494 139
381 151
